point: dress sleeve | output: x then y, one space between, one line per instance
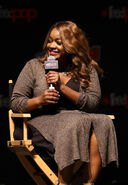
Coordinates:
23 89
89 100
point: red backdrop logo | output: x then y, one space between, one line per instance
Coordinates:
115 13
16 14
28 14
116 100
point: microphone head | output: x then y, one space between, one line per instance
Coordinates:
51 63
51 58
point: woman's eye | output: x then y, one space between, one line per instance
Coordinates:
59 42
49 40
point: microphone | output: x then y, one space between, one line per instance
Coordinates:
51 64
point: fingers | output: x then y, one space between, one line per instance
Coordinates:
52 77
51 74
51 96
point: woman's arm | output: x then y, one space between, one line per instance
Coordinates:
89 100
85 100
22 97
60 82
23 89
49 96
70 93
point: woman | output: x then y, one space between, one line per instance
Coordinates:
65 116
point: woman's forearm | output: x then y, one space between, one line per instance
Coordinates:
49 96
70 93
33 103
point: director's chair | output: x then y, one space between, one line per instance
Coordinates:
25 150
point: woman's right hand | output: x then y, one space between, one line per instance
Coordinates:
49 96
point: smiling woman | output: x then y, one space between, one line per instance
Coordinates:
72 42
66 117
54 44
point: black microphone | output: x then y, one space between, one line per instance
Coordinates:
51 64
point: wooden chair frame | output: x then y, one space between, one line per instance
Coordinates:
24 148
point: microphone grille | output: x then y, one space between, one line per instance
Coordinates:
51 58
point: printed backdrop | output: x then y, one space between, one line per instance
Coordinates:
23 28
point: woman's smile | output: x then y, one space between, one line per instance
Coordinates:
54 45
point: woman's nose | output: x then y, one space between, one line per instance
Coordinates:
52 45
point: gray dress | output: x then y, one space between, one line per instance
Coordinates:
67 128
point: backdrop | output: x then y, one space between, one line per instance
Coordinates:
23 27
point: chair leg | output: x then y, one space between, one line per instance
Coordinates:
45 168
30 169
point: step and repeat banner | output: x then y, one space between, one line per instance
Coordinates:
23 28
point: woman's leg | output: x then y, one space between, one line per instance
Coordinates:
65 175
68 174
91 171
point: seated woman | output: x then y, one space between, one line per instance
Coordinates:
65 117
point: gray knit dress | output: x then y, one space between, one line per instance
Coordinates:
67 126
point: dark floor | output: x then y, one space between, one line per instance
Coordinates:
13 173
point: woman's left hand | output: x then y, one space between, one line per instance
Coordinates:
53 77
56 78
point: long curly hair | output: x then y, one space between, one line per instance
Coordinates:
76 46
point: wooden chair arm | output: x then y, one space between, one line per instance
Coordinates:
111 116
20 115
12 124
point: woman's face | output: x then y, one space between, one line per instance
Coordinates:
54 45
